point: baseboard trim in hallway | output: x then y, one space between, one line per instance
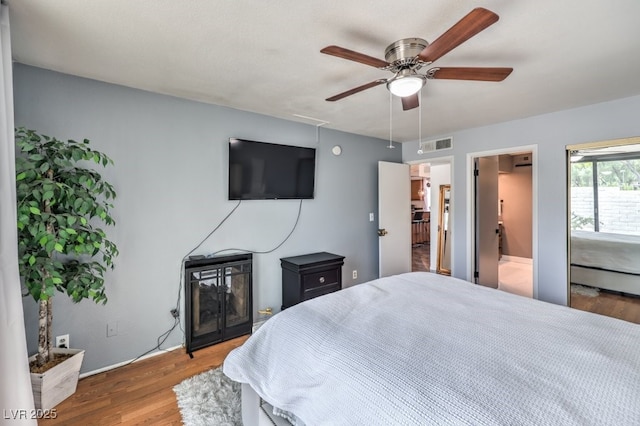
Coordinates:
517 259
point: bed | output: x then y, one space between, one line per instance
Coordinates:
605 260
421 348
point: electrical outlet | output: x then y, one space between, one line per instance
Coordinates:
355 274
62 341
112 328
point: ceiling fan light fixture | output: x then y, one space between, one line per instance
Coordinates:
405 57
406 84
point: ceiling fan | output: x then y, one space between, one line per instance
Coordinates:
405 57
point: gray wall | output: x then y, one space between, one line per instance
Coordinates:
170 174
551 133
515 194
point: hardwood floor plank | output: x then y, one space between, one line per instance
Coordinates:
140 393
420 258
624 307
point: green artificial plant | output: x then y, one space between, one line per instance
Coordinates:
61 201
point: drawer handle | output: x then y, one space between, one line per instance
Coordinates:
321 280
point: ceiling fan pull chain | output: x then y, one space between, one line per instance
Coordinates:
390 121
420 118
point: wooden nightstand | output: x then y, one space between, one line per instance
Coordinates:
308 276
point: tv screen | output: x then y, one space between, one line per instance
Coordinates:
268 171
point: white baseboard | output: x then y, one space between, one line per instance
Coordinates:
517 259
120 364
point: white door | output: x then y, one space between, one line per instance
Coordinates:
487 232
394 218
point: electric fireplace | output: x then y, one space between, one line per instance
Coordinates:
218 299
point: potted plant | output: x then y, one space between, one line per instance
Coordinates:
61 202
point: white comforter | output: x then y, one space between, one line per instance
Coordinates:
614 252
422 349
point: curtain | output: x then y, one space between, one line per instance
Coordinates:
16 399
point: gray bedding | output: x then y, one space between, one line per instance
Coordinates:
420 348
602 250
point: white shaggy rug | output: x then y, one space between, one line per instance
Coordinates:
210 398
584 291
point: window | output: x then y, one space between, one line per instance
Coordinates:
605 191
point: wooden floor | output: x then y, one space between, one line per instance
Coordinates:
139 393
610 304
420 258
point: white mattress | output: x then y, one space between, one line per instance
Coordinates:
614 252
421 348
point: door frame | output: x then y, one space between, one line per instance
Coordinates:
433 248
470 237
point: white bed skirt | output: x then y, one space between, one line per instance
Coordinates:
606 280
256 411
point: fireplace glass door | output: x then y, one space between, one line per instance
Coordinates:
236 283
207 305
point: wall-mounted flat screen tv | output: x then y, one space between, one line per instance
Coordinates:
269 171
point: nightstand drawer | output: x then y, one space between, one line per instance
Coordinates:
320 291
320 279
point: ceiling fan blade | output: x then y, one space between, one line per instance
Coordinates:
410 102
356 90
474 22
469 73
341 52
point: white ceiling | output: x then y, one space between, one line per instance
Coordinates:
264 56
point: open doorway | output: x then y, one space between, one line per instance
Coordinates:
426 179
502 220
420 217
